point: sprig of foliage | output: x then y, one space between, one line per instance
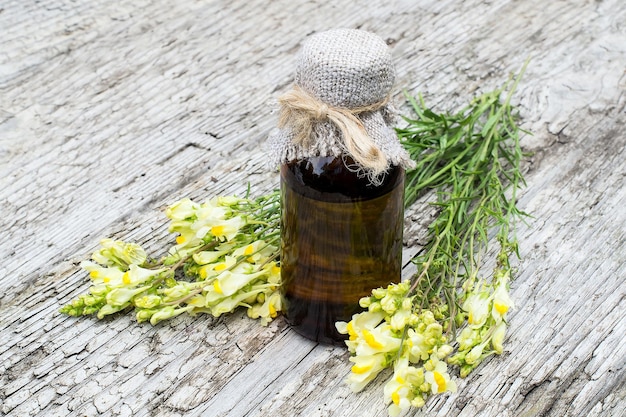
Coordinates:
224 257
471 159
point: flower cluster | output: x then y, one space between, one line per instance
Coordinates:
485 307
397 332
226 248
393 333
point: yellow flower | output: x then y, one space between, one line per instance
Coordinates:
211 211
419 349
208 216
118 297
207 257
274 274
138 275
354 328
197 300
227 229
468 338
119 253
182 210
167 313
103 275
214 269
502 303
475 356
364 370
400 319
219 306
477 308
114 277
400 389
498 337
438 376
256 252
268 310
228 201
229 282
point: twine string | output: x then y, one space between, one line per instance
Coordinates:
300 111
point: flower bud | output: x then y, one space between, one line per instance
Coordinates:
78 303
465 370
162 314
418 401
379 293
90 310
144 315
90 300
109 309
474 355
176 292
444 351
99 290
498 338
457 359
375 307
365 302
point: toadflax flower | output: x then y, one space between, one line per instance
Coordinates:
119 253
184 209
118 297
498 337
403 389
372 341
225 230
477 306
354 328
268 309
364 370
502 302
437 376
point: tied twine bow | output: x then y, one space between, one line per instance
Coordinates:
300 110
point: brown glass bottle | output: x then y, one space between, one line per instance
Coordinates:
341 238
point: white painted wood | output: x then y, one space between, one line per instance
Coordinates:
111 110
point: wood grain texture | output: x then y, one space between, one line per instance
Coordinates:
111 110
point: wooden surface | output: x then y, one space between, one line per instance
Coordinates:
109 111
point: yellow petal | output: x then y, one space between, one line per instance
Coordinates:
351 332
356 369
217 231
440 381
501 308
395 397
371 341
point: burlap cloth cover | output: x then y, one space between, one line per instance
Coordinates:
343 83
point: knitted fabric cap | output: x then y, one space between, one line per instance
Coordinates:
346 69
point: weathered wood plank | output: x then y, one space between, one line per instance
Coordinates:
109 112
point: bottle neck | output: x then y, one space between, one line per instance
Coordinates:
337 179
